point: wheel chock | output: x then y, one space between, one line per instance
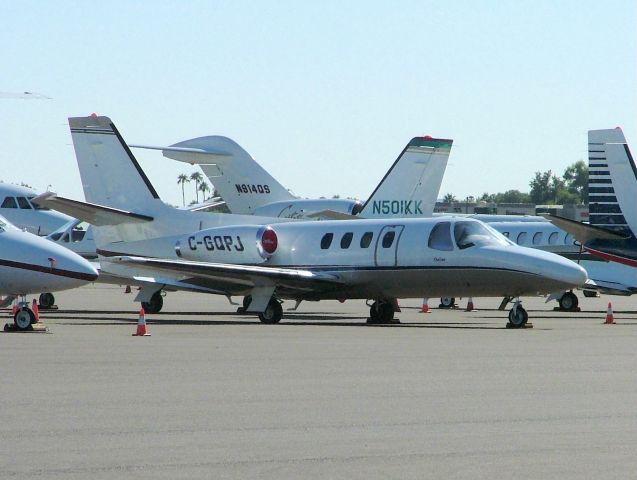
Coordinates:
526 325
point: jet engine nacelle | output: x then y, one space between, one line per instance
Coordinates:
249 244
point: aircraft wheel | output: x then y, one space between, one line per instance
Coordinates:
24 318
155 304
46 300
381 312
569 302
518 317
273 312
447 302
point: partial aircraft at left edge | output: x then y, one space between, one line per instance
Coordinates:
30 264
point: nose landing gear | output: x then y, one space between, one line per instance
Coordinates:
518 318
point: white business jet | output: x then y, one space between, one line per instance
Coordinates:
30 264
270 260
408 189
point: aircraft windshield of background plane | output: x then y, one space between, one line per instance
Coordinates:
6 224
469 234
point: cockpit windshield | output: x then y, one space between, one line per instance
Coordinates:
470 233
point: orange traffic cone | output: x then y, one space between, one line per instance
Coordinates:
610 319
36 311
425 306
141 325
14 310
470 305
127 289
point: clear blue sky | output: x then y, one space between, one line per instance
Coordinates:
324 94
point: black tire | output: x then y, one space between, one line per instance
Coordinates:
569 302
23 318
381 312
519 318
155 304
246 302
447 302
273 312
46 300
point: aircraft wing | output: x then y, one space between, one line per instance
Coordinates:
582 231
609 288
236 277
89 212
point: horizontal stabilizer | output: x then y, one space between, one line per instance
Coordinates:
193 156
97 215
582 232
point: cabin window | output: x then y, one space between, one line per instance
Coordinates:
537 238
366 239
24 203
553 238
9 202
568 239
326 241
346 240
440 237
521 238
388 239
506 234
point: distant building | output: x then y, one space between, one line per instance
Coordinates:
573 212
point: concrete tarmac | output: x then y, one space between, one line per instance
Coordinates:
215 394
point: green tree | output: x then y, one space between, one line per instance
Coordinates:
576 179
197 178
183 179
542 191
203 188
449 198
512 196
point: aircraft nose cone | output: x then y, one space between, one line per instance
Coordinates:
569 273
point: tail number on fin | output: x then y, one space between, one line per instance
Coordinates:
395 207
252 188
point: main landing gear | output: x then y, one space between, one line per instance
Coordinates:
381 312
518 317
447 302
46 300
569 302
155 303
273 312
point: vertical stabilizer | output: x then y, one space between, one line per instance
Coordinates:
612 184
111 176
411 186
240 180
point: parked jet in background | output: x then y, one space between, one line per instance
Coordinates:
30 264
16 206
246 255
612 190
408 190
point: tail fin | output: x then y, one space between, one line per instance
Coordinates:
411 186
612 184
239 179
110 173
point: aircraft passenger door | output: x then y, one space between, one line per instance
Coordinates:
387 245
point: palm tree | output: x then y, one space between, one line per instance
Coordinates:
449 198
198 178
204 188
183 179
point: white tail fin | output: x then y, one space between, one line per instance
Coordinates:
110 173
410 187
239 179
612 184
